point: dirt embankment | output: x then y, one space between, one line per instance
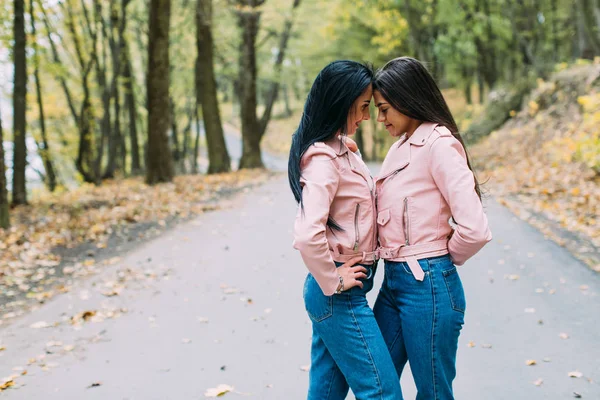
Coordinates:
544 163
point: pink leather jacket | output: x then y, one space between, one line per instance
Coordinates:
423 182
335 183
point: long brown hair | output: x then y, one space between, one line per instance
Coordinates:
407 85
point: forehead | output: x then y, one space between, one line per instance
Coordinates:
378 97
367 93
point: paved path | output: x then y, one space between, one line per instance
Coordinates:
218 301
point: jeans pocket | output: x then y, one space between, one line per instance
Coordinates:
455 289
318 306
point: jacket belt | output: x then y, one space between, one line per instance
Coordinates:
368 257
410 254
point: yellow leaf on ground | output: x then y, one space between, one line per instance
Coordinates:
218 391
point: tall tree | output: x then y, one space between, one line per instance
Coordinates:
118 22
85 162
159 167
206 90
248 14
4 217
130 105
43 147
19 105
253 129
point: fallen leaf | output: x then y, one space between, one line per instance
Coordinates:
186 340
6 384
305 368
95 384
40 324
538 382
203 320
530 310
471 343
575 374
531 362
218 391
486 346
577 395
563 336
584 287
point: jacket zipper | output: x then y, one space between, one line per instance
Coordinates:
406 222
356 227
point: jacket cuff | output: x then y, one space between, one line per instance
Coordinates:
461 249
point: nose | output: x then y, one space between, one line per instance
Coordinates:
380 117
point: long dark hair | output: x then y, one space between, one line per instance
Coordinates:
326 110
407 85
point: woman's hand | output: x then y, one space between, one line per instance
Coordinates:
351 274
351 144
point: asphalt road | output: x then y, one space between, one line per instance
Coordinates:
218 300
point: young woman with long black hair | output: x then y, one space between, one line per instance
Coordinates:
425 181
336 236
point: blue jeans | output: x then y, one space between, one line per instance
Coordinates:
348 349
421 321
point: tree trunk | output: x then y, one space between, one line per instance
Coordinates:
186 141
4 215
358 138
491 72
160 165
248 20
206 91
481 84
196 144
117 46
85 154
286 100
174 133
19 105
44 148
102 86
130 105
61 79
555 40
590 26
274 89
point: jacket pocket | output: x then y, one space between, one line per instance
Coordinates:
383 217
455 289
318 306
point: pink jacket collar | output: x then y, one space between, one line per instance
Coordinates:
418 138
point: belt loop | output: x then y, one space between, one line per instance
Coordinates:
364 256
